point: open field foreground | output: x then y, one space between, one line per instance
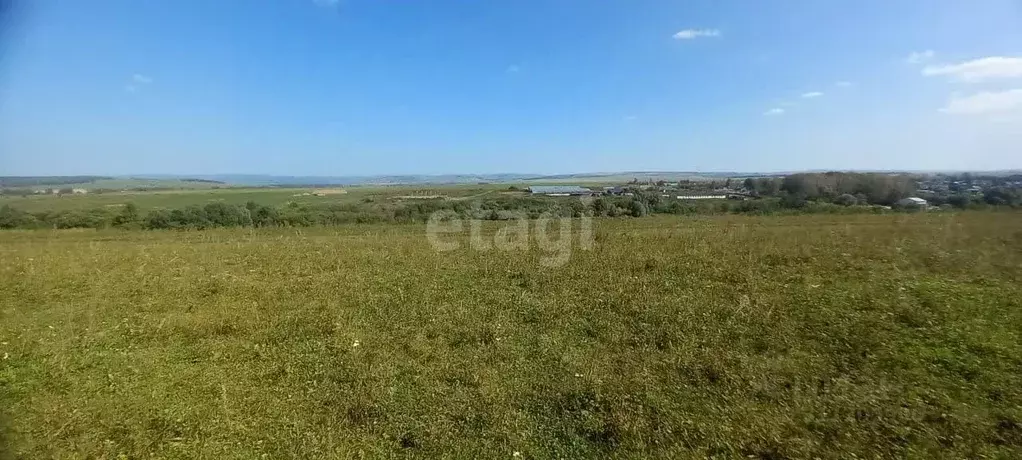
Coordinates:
764 337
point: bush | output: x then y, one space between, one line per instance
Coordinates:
756 206
1002 196
95 218
128 216
793 201
225 215
158 219
13 218
959 201
846 199
637 208
191 217
264 216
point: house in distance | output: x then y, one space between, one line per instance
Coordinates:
912 202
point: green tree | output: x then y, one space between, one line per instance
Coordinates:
128 216
265 216
637 208
846 199
158 219
225 215
1002 196
959 201
576 208
13 218
768 186
793 200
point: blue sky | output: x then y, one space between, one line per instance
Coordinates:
318 87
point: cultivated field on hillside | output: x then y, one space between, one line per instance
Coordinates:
765 337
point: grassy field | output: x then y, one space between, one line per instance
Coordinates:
174 199
762 337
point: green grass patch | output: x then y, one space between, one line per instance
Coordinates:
733 336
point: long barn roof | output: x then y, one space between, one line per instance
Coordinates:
558 189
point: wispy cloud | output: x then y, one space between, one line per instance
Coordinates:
513 68
977 70
137 82
985 103
776 111
843 84
689 34
919 57
811 94
630 118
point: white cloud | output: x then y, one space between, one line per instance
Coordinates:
774 112
843 84
985 102
631 118
513 69
978 70
919 57
811 94
689 34
137 82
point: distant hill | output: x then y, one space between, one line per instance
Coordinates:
33 181
307 181
204 181
107 183
168 181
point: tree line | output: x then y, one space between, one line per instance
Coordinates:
848 189
830 192
865 188
214 215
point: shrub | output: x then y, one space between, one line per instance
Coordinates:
158 219
264 216
13 218
128 216
959 201
846 199
225 215
793 201
95 218
637 208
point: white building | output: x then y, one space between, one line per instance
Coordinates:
913 202
702 197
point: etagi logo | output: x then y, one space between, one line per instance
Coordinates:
552 233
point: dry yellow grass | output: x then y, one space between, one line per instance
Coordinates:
770 337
